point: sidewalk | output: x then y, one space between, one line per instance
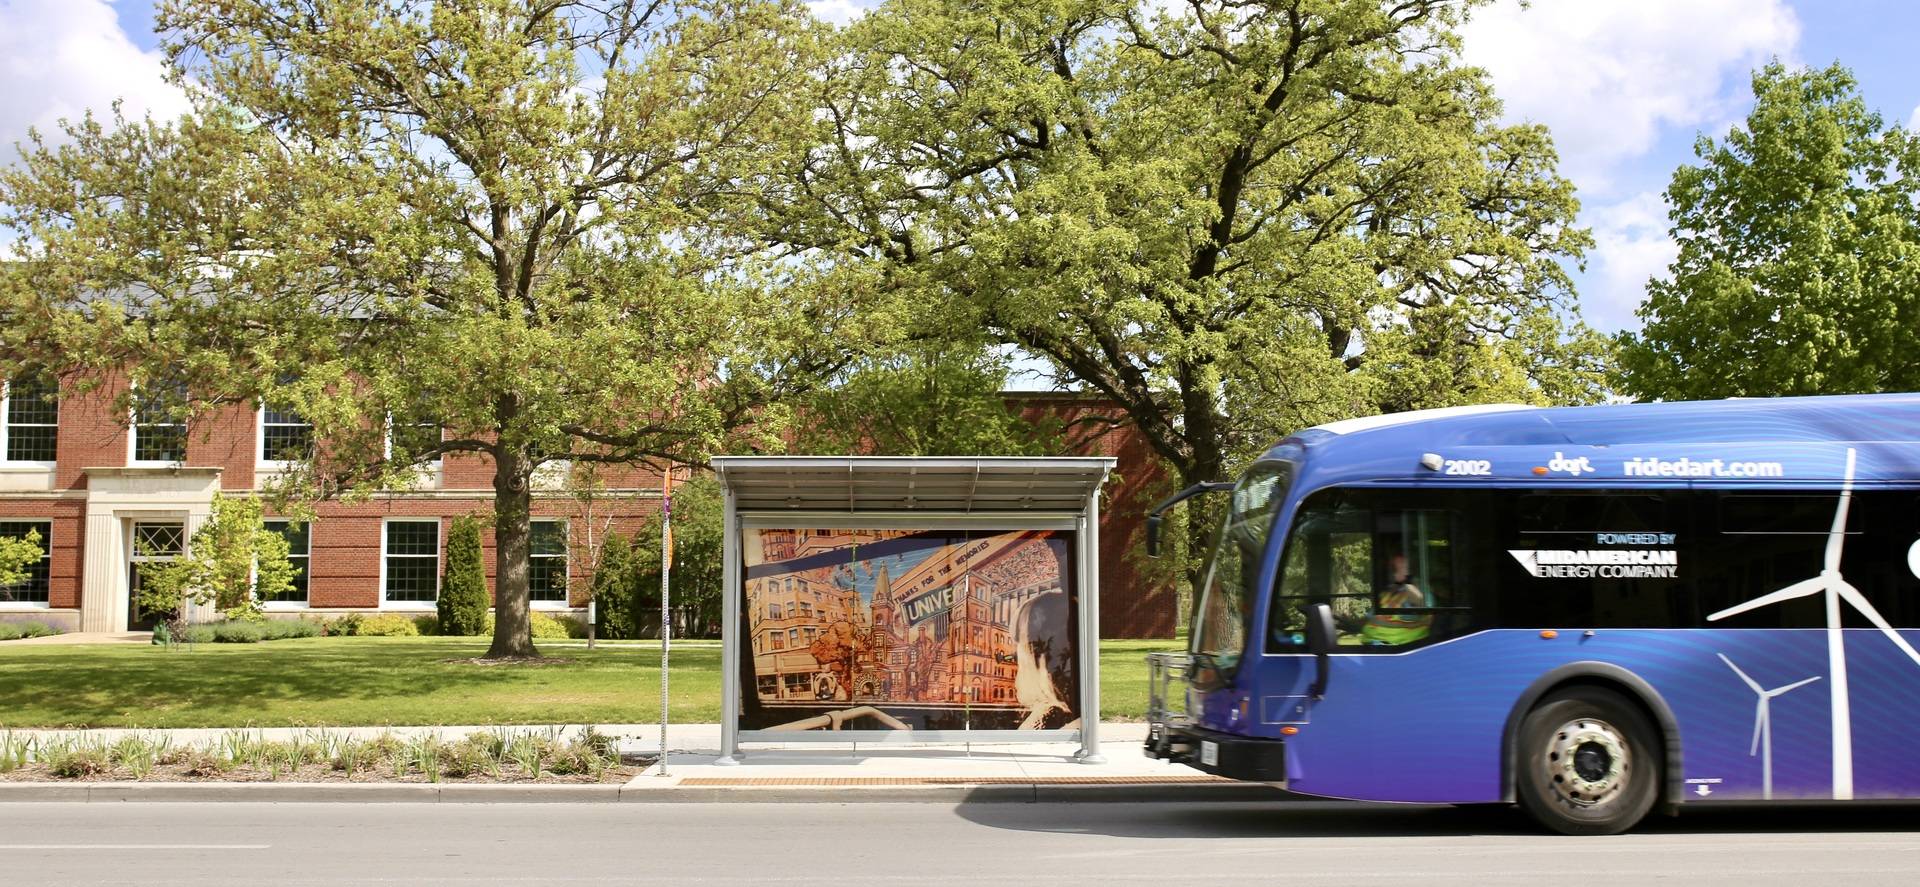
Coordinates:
1010 772
765 773
89 637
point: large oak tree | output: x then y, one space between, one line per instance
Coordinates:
1235 219
492 227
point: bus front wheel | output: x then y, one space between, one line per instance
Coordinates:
1588 762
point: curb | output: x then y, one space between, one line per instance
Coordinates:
305 792
485 793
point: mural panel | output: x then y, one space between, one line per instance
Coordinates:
901 630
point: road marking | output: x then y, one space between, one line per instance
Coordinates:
135 846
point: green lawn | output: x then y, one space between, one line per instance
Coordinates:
375 681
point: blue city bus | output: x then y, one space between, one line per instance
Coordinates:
1585 611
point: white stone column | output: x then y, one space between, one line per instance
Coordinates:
103 571
197 516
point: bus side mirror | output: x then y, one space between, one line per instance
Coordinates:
1153 517
1321 636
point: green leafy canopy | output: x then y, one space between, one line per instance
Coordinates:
1235 219
1798 234
17 555
515 221
232 561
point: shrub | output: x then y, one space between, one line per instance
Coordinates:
697 537
196 634
615 589
549 628
29 629
475 755
202 763
78 760
427 626
463 589
343 626
237 632
282 629
390 625
546 627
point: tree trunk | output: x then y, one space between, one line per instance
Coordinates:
512 498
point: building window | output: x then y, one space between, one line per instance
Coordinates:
299 553
33 591
779 640
547 561
32 419
159 423
407 439
285 435
412 561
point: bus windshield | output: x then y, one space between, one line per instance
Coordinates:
1226 596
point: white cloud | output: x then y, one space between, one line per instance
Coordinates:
1913 122
60 58
838 12
1631 245
1608 77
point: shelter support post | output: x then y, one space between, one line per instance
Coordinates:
733 589
1090 631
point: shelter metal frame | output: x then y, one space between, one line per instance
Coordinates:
931 493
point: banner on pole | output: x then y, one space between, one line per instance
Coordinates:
901 629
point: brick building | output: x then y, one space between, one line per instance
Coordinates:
106 497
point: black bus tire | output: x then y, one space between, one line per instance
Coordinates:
1587 762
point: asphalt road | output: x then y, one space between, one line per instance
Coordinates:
927 844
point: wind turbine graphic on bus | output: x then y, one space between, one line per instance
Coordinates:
1763 723
1836 589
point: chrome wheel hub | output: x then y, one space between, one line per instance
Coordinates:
1587 762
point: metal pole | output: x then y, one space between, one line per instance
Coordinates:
666 621
731 590
1090 631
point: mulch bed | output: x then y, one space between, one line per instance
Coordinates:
630 767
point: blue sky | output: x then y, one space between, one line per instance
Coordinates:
1625 85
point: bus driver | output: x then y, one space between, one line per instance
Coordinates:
1394 629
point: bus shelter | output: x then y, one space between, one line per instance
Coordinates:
894 600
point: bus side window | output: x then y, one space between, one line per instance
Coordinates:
1388 573
1329 560
1767 540
1571 522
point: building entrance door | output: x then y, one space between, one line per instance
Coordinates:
155 542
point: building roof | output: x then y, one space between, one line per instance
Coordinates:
909 483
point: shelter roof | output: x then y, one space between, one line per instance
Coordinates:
911 483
